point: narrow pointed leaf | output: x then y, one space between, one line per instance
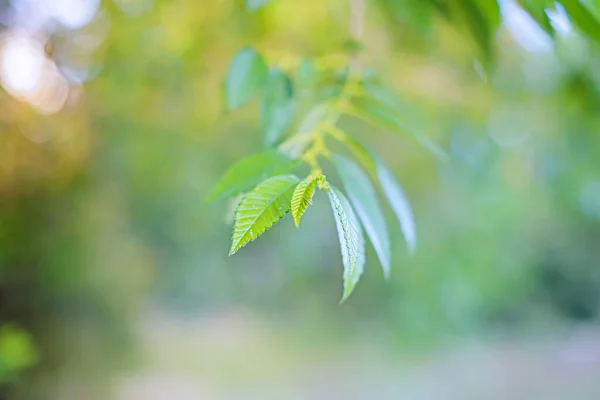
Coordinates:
250 171
245 78
302 197
364 200
379 112
277 106
537 10
399 203
352 242
391 188
584 20
261 208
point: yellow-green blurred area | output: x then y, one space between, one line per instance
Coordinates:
115 280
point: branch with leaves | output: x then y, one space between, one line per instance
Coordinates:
265 184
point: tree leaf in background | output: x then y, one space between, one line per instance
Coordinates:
416 15
250 171
245 78
261 208
363 197
277 106
352 242
593 6
307 73
481 18
253 5
537 10
399 203
302 197
582 17
387 119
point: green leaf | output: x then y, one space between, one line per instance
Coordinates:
537 10
391 188
250 171
399 203
302 197
582 18
304 131
364 200
481 18
383 117
261 208
253 5
593 6
352 242
277 106
245 78
307 73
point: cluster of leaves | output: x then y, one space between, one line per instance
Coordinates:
264 184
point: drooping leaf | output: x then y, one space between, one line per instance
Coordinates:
582 17
253 5
391 188
245 78
352 242
250 171
302 197
593 6
383 117
537 10
481 19
261 208
364 200
399 203
277 106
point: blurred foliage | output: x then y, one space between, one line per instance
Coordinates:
102 214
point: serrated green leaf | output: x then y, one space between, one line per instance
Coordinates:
253 5
250 171
262 208
383 117
277 106
391 188
245 78
364 200
302 198
352 242
399 203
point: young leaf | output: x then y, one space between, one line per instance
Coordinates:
364 200
245 77
277 106
302 198
261 208
250 171
352 242
399 204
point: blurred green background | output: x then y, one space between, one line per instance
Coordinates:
114 276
